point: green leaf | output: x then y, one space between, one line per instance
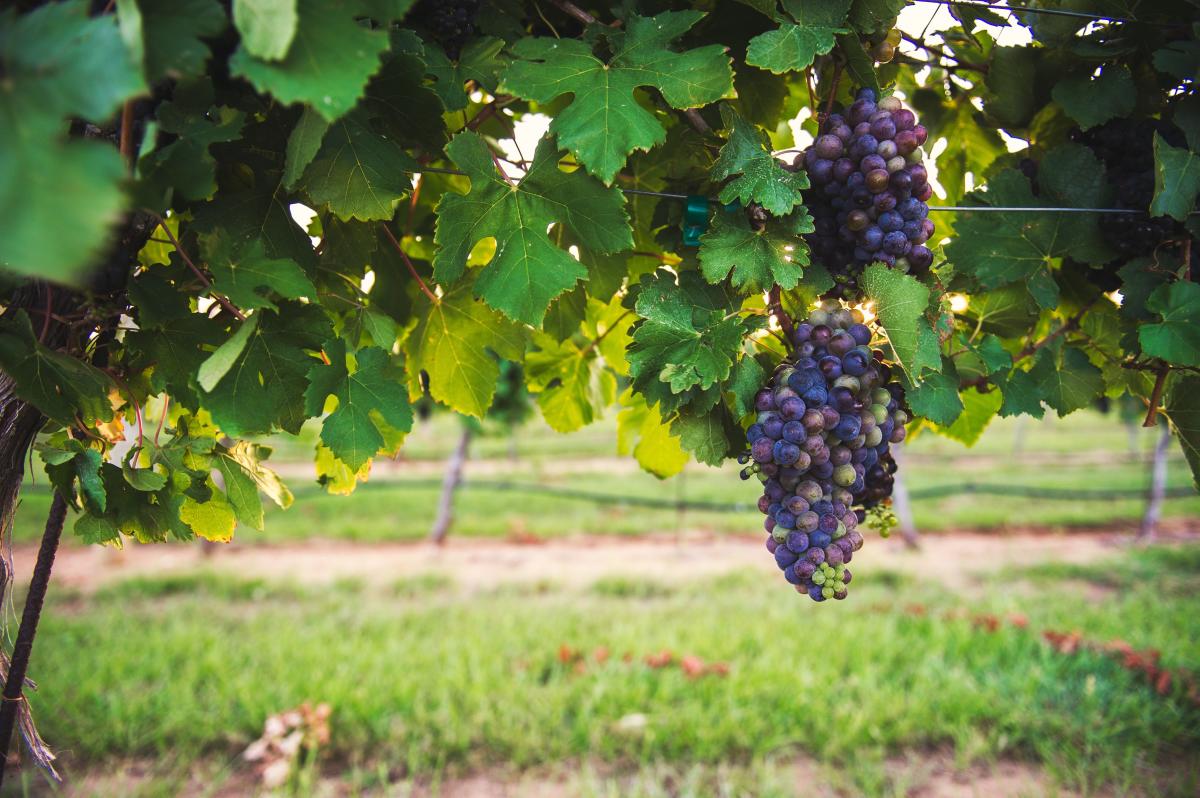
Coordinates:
704 435
243 273
1182 407
58 198
480 61
573 388
686 338
172 31
62 387
146 480
372 389
259 392
527 270
248 458
1176 180
1093 101
450 345
604 122
641 431
859 65
758 176
96 529
900 302
748 377
327 65
185 168
936 397
759 259
792 48
872 16
266 27
218 364
971 146
1068 383
1012 79
1179 58
241 492
1021 394
303 145
978 411
212 520
358 173
1176 338
59 61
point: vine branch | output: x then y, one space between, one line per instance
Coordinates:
218 298
32 613
411 268
785 323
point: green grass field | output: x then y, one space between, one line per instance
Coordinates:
1083 451
428 678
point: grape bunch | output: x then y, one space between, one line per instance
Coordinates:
869 189
821 447
449 22
1126 148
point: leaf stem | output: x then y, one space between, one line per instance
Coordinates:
1156 396
572 10
163 417
126 140
838 66
222 301
596 341
411 269
1070 324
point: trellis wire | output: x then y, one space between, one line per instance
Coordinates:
1052 12
948 208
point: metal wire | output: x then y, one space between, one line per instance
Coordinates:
1051 12
932 208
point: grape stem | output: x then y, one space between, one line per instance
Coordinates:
411 269
833 86
572 10
1070 324
596 341
220 300
785 323
1156 396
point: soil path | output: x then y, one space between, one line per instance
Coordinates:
960 557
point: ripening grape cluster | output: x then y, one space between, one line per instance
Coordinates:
868 191
821 447
1126 148
451 22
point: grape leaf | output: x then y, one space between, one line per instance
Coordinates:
748 377
218 364
758 176
400 103
900 302
213 519
999 248
1176 180
604 123
450 345
1012 79
686 337
243 272
1021 394
873 16
171 33
351 431
936 396
993 354
1176 338
971 143
641 431
480 61
327 65
58 198
185 168
266 27
705 435
792 48
759 259
62 387
978 411
258 392
1093 101
1069 385
571 383
527 270
1182 407
248 458
303 145
358 173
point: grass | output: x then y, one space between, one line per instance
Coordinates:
428 678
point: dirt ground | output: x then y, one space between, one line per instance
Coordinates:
962 557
